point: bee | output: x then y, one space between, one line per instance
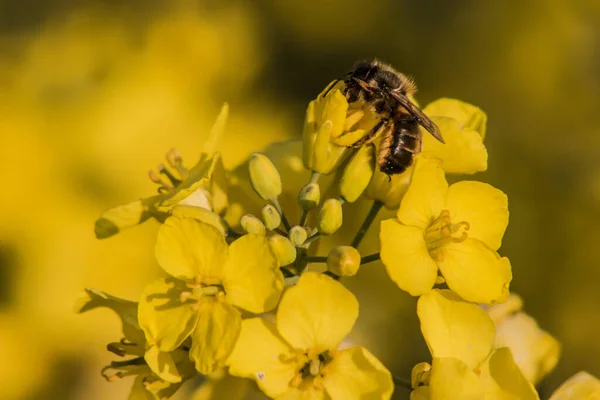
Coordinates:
386 91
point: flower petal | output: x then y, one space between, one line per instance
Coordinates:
483 206
454 328
475 272
162 364
503 380
420 393
535 352
165 320
261 354
251 275
451 379
356 374
581 386
463 152
426 194
405 256
317 313
468 116
309 393
223 386
215 335
187 247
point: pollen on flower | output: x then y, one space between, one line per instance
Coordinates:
442 231
260 376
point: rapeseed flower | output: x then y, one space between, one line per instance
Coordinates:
298 357
204 185
455 230
460 337
581 386
208 281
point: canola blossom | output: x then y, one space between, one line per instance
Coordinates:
253 294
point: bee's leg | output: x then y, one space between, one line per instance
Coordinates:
369 137
331 86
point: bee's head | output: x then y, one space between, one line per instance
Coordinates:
377 75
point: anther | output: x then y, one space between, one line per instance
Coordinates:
184 296
315 366
296 380
164 170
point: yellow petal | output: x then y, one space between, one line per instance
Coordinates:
217 130
503 380
405 256
356 374
483 206
139 391
581 386
201 214
426 194
475 271
215 335
463 152
251 275
162 364
454 328
468 116
187 247
420 393
389 189
116 219
261 354
451 379
317 313
165 320
308 393
224 387
536 352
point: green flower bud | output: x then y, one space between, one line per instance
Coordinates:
298 235
264 177
270 217
358 173
283 249
330 217
251 224
309 196
343 260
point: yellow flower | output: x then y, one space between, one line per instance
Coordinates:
328 128
536 352
455 230
157 374
209 279
204 185
463 127
581 386
298 357
460 336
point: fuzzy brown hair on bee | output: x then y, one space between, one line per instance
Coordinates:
386 91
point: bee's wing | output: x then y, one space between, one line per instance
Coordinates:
419 116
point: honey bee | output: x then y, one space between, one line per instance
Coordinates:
386 91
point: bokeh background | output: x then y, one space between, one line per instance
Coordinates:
93 93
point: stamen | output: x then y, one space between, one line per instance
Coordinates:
165 171
315 366
442 231
296 380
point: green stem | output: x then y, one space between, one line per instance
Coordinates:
367 223
331 274
312 238
315 259
402 382
284 220
370 258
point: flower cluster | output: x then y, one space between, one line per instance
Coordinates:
246 295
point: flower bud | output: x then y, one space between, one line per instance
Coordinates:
119 218
284 250
330 217
309 196
251 224
420 375
343 260
298 235
264 177
270 217
388 189
358 173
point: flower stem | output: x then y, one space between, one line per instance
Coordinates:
402 382
367 223
315 259
369 258
284 220
312 238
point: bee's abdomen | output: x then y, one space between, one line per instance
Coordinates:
399 146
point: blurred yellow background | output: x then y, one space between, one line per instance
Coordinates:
93 93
